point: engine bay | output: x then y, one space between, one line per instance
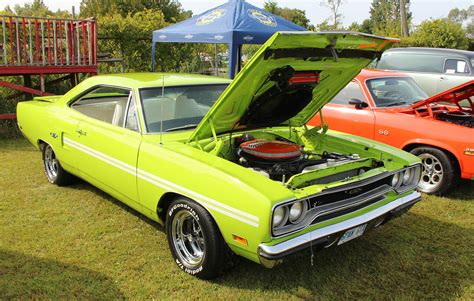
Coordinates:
462 118
280 159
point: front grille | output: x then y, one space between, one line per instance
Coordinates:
339 193
338 201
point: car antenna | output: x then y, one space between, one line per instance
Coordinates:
162 103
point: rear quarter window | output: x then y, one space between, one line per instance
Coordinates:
411 62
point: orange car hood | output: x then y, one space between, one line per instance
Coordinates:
453 95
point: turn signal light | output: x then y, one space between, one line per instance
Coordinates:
239 239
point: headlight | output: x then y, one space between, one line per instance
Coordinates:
396 179
407 176
296 211
279 216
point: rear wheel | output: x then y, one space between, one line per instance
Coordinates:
194 239
53 169
439 171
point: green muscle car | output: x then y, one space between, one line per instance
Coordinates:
230 167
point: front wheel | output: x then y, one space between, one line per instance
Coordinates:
439 172
52 168
194 239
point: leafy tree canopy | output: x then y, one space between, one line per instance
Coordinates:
334 6
37 8
171 9
297 16
441 33
385 17
460 15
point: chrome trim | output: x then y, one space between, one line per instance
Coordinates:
344 225
313 213
352 185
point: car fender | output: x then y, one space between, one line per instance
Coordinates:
433 143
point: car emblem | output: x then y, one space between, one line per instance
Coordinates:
354 191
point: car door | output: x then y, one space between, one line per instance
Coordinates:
345 117
456 71
107 141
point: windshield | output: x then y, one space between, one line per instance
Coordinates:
180 108
395 91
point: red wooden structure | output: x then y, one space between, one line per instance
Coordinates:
32 46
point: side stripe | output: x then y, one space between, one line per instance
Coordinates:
160 182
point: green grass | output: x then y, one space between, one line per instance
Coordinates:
79 243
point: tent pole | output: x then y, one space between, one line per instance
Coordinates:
233 51
239 58
153 46
216 71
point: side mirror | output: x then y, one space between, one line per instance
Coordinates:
359 104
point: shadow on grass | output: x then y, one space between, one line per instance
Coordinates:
465 191
82 185
28 277
411 256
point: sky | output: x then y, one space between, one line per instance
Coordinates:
352 10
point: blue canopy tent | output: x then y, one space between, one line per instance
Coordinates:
235 23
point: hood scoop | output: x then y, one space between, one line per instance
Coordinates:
286 93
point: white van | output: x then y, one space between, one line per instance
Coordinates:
434 69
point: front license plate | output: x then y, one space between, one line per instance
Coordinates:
352 233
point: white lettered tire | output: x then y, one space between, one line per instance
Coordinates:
195 242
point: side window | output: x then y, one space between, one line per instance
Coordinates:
352 90
131 121
107 104
411 62
456 66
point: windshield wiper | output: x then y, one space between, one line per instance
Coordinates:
183 127
396 104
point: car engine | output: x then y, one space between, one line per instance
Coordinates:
457 117
280 159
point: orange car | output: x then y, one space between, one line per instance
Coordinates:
390 107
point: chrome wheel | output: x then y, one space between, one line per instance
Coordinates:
51 164
432 172
188 239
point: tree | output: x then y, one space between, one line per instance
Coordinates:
38 9
129 37
334 6
365 26
385 17
403 18
460 16
171 9
297 16
441 33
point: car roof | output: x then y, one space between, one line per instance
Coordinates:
155 79
444 51
373 73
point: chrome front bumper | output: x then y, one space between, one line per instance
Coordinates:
329 235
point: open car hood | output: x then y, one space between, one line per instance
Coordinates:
454 95
267 92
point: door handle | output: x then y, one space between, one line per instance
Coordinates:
443 78
81 132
